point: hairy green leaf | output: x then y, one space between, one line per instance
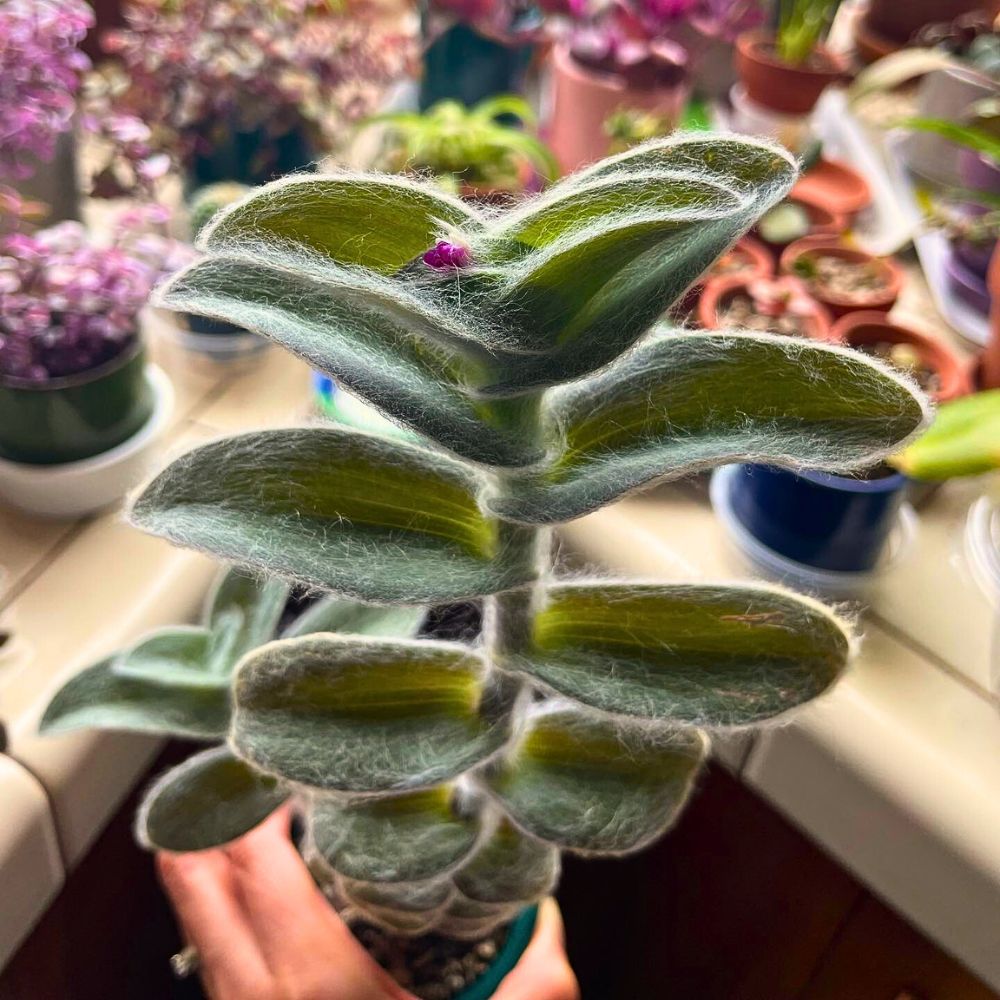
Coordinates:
509 867
700 654
242 612
209 800
594 784
365 715
414 897
588 267
188 704
378 520
688 401
336 614
964 440
406 838
176 653
396 347
380 223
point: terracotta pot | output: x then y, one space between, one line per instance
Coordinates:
754 252
835 186
822 221
582 101
778 85
899 20
870 44
859 329
718 291
989 363
880 300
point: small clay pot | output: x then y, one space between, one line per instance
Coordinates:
880 300
718 291
835 186
900 20
758 257
823 222
583 100
989 362
870 44
861 329
779 86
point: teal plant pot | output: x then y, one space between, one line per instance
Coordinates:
463 65
77 416
518 938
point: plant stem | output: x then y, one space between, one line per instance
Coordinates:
508 616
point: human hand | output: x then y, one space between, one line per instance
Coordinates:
264 931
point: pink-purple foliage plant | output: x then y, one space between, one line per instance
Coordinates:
41 68
184 73
67 304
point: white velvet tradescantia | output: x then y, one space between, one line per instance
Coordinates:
441 780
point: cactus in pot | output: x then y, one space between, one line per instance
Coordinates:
441 780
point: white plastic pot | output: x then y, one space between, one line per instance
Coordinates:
74 489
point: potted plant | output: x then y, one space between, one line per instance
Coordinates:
969 215
782 305
843 278
440 780
42 68
487 153
887 26
786 71
231 91
796 217
80 408
746 259
208 338
614 63
930 363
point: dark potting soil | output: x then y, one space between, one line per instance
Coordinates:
431 967
740 311
906 358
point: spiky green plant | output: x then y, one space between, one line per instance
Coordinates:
491 145
440 780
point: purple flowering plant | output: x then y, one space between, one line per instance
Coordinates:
41 69
652 42
184 73
68 304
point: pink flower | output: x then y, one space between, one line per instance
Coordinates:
445 256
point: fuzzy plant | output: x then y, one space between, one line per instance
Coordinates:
439 780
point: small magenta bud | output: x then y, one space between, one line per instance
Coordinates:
444 255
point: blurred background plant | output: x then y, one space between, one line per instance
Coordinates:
802 25
491 148
68 303
234 90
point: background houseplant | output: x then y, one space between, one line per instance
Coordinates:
42 69
74 383
241 91
787 71
486 152
442 778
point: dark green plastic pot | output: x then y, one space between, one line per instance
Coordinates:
518 938
78 416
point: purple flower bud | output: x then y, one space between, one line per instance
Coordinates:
444 256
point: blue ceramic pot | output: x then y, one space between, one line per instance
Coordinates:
462 65
816 518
